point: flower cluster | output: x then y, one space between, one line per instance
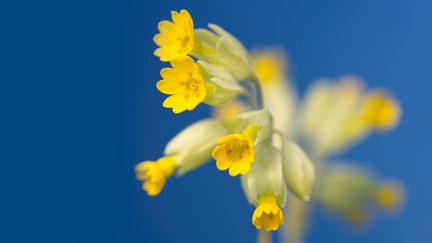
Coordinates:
211 66
260 126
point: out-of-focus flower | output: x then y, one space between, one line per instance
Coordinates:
269 66
176 39
186 151
390 195
381 111
335 115
230 110
354 192
265 188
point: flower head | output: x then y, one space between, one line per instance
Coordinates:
176 39
184 83
267 215
155 173
381 111
234 152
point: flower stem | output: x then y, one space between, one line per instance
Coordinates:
258 92
264 236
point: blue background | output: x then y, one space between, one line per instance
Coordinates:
79 109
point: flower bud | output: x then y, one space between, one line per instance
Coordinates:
298 170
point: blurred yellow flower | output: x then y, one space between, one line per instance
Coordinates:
269 66
381 111
267 215
230 110
390 195
184 83
176 39
155 173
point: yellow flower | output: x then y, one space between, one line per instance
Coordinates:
390 195
269 66
155 173
176 39
267 215
381 111
234 152
184 83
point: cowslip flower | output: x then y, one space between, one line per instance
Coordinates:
267 215
184 83
155 173
189 83
265 188
186 151
236 151
176 39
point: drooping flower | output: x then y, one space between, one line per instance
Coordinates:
186 151
176 39
267 215
184 83
265 188
155 173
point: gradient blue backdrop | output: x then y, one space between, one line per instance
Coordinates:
80 109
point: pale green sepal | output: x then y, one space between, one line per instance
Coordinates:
241 121
223 89
266 176
298 170
192 146
206 37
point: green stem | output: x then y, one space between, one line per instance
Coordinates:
264 236
258 92
251 100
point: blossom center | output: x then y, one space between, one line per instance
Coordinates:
192 84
